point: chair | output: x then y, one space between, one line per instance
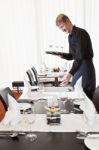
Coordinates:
30 76
2 110
33 80
37 81
35 75
96 98
18 85
4 98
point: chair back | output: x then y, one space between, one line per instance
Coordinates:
2 110
4 96
35 75
30 76
96 98
25 104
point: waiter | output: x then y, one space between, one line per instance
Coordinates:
80 50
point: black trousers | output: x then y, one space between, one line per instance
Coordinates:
89 93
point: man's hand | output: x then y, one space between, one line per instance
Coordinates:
61 56
66 79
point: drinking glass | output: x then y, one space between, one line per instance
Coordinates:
69 106
41 88
30 119
63 109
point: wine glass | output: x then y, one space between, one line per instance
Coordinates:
30 119
67 105
63 109
41 88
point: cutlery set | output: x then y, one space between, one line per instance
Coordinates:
83 135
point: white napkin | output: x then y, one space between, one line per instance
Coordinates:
78 89
87 106
12 116
26 90
89 111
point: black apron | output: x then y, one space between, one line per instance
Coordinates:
87 71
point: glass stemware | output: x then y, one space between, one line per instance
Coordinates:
30 119
67 105
41 88
63 109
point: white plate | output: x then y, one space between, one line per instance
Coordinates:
92 142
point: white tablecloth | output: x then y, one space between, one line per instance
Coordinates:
69 123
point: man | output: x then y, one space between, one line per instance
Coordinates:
80 50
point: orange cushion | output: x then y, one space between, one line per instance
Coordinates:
16 94
2 111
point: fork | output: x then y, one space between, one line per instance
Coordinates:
83 135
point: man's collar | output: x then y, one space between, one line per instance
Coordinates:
72 30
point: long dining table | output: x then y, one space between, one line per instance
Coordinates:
55 77
51 137
61 136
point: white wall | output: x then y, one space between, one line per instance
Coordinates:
27 28
83 13
17 39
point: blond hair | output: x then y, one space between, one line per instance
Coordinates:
61 18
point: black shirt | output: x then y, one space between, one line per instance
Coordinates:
80 48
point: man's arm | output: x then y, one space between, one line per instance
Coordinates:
66 79
67 56
75 66
80 51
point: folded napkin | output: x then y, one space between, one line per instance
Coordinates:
87 106
26 90
89 111
12 116
78 92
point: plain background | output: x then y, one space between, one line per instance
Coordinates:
27 30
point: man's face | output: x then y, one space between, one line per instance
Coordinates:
63 26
